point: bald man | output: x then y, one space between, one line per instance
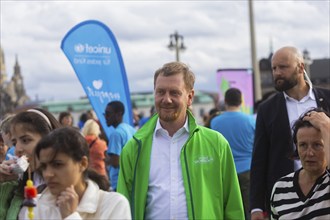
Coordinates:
273 145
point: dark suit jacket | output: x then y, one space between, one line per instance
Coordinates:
273 145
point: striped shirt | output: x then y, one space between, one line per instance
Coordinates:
289 202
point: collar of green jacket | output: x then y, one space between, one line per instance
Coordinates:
149 127
208 172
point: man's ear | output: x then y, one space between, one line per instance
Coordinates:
191 97
301 67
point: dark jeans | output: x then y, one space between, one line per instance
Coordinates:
244 183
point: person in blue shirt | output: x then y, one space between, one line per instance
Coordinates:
122 132
145 119
238 128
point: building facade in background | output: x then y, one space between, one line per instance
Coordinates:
13 97
12 91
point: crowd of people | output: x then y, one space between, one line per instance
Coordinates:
272 165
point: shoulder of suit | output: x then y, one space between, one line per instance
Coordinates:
321 90
270 101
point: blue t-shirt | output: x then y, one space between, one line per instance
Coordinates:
143 121
238 128
118 138
10 151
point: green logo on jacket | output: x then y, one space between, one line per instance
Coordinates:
203 159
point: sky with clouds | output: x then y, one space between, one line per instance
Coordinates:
216 34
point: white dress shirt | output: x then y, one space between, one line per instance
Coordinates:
166 198
296 108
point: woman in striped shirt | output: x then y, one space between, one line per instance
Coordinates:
305 194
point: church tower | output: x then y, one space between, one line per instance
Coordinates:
12 92
18 80
3 74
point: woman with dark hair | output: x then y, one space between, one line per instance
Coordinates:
305 194
26 129
73 190
66 119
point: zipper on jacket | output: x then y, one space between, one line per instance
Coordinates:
189 184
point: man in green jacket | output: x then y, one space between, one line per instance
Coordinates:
173 168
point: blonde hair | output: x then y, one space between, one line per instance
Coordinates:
91 127
173 68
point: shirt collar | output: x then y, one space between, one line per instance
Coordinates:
310 93
160 129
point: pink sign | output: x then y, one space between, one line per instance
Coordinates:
237 78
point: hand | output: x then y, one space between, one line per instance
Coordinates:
67 201
5 178
6 167
318 119
258 215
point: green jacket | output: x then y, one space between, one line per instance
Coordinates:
210 180
10 200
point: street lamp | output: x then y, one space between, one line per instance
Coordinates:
176 42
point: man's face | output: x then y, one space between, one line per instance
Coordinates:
283 83
171 98
110 116
286 70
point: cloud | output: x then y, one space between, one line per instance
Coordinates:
216 34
